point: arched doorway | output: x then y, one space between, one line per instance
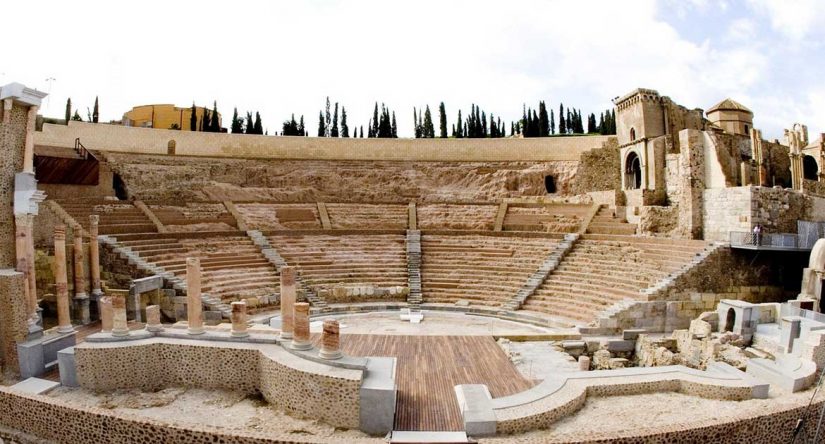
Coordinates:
633 172
120 187
810 170
730 319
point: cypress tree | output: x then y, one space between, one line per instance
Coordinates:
493 127
453 130
442 120
250 124
95 113
204 123
528 124
374 129
237 124
429 129
77 117
193 118
344 127
68 110
362 131
483 125
259 128
459 127
321 125
333 132
552 123
214 124
512 129
416 127
562 122
301 130
544 122
327 120
394 127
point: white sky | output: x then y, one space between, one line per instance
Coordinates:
283 57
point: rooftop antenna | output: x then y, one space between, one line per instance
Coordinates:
49 80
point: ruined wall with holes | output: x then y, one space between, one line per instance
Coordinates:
599 170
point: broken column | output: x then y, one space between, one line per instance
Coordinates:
584 363
239 320
120 326
301 341
94 256
64 323
288 295
194 304
106 314
80 296
331 340
153 318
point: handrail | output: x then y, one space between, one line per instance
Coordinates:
82 151
789 241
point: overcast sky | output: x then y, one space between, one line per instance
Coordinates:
283 57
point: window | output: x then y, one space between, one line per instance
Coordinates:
632 134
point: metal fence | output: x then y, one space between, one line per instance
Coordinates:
776 240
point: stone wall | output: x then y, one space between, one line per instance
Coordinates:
289 382
777 210
726 209
599 170
12 142
13 317
177 178
192 143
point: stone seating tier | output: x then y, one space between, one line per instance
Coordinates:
602 270
546 218
233 268
326 260
367 216
280 216
606 222
116 217
456 216
484 270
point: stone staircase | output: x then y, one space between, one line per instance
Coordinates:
414 266
547 267
275 258
606 222
179 284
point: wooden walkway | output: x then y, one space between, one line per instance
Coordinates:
428 368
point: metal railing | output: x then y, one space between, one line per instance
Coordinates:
774 240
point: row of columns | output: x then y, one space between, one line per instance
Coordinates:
295 315
61 274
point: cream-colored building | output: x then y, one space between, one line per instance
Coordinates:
732 117
163 116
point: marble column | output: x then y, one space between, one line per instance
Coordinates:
301 340
288 295
23 266
331 340
64 323
106 314
194 304
94 255
80 296
153 318
28 149
120 326
584 363
239 320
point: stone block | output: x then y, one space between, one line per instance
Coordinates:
35 386
378 396
68 368
632 334
476 406
620 345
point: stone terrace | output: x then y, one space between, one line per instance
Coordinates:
549 218
281 216
368 216
457 216
601 270
482 269
193 216
326 260
233 268
116 217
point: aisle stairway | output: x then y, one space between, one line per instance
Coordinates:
606 222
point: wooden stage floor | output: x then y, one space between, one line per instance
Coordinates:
429 366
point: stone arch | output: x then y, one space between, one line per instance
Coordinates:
633 171
632 134
170 147
730 319
810 169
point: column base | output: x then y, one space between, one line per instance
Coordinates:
195 331
240 334
120 333
69 329
300 345
330 354
285 336
154 328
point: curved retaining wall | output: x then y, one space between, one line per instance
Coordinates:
287 381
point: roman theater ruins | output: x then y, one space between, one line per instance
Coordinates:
660 285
